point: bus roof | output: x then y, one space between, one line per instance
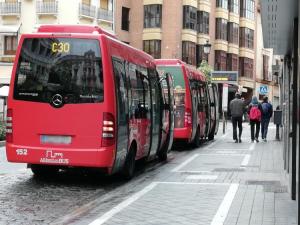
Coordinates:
192 71
84 29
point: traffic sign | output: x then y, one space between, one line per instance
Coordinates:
263 90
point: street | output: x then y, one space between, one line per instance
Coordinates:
219 183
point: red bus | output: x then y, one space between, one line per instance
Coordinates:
193 121
81 98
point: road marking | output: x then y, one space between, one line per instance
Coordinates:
194 171
246 160
252 146
223 210
228 152
202 177
123 205
185 163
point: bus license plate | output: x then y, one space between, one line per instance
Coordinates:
56 139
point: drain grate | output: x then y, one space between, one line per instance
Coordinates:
269 186
229 170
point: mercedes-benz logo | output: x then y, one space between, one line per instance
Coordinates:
57 100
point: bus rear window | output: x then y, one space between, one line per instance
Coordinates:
179 92
66 67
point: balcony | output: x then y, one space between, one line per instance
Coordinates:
47 8
104 14
88 11
10 8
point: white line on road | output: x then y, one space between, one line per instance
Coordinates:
194 171
185 163
223 210
123 205
202 177
246 160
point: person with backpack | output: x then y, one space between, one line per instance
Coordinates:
255 113
237 107
267 112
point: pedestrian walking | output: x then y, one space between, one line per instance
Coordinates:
237 107
255 112
267 113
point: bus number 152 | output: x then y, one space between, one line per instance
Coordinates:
60 47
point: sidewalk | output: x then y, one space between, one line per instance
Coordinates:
219 183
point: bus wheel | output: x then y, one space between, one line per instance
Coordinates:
44 171
128 170
196 142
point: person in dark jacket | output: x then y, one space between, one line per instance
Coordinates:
267 113
255 118
237 107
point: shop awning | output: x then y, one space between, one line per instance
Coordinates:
11 30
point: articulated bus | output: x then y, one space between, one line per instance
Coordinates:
81 98
196 103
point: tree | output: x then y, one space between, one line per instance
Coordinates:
206 69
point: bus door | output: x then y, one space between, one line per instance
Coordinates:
195 117
156 112
207 109
171 102
203 109
121 90
216 97
140 108
212 109
167 131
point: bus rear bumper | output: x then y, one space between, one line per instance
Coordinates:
99 158
183 133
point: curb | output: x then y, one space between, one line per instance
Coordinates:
2 143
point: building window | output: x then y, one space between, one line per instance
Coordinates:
153 47
189 17
10 45
221 29
125 18
203 22
246 37
189 52
222 4
246 67
233 6
265 67
152 16
232 62
220 60
247 9
233 33
200 55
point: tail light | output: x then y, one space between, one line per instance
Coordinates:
9 125
188 117
108 130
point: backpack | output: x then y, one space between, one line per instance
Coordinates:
265 108
255 113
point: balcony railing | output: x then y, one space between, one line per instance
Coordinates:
104 14
87 11
10 8
46 8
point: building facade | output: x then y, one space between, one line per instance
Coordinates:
18 17
179 29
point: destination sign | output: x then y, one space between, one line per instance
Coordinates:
230 77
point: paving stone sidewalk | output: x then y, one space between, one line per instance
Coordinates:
219 183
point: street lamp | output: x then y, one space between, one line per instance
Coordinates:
207 47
